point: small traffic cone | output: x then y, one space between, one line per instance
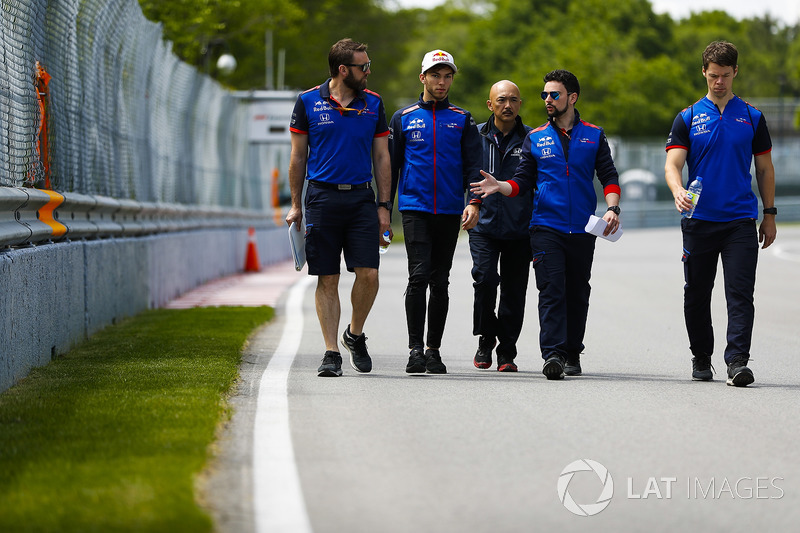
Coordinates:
251 263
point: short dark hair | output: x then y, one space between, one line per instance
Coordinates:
342 53
722 53
566 77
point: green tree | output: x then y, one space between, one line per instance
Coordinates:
202 30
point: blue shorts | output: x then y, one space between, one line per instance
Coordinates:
338 221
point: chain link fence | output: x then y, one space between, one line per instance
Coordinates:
123 116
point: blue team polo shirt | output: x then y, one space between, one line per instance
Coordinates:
720 149
339 138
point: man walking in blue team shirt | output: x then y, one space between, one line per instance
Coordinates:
436 151
719 136
339 135
559 161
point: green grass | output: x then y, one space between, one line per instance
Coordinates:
112 436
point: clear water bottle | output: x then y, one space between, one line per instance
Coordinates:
695 188
385 247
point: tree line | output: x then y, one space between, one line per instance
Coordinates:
637 68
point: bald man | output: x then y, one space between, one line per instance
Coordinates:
501 236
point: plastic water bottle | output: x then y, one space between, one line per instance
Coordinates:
695 188
385 247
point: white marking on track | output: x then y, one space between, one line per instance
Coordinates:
787 254
278 501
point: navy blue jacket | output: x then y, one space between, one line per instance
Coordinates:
561 168
436 153
500 217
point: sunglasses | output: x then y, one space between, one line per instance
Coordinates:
555 95
364 67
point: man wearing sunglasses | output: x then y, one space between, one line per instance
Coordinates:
559 161
436 151
339 135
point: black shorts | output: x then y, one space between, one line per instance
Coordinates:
339 221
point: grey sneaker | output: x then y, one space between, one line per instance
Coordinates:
738 373
702 368
573 365
553 367
416 362
331 366
357 346
434 364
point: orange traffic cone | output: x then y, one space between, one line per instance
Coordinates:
251 263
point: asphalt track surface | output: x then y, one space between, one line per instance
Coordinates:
483 451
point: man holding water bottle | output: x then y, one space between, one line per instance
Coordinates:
719 136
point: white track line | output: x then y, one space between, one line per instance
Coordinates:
278 501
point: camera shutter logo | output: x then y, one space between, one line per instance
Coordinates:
586 509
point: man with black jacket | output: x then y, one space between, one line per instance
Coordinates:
501 236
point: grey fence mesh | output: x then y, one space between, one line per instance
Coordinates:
125 117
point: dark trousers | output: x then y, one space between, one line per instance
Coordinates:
514 257
563 266
430 245
704 243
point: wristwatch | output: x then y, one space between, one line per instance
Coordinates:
615 209
770 210
387 205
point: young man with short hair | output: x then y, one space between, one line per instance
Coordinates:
435 151
719 136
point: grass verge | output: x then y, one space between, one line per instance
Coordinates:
111 436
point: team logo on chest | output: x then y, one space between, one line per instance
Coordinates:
702 118
416 123
545 141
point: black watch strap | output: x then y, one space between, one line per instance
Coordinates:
615 209
387 205
770 210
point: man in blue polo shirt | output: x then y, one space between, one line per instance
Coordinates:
339 135
719 136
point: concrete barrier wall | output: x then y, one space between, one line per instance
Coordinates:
54 296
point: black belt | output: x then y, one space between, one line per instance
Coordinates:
340 186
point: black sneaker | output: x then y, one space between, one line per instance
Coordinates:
483 357
506 366
573 365
434 363
416 362
553 367
702 368
738 373
331 366
357 346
